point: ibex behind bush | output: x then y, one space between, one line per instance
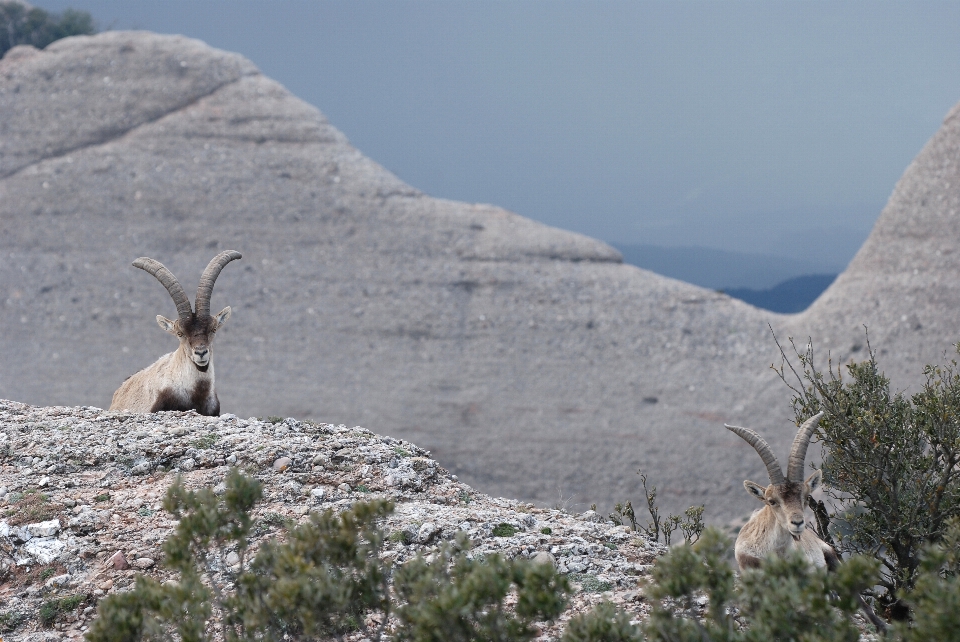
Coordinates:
180 380
780 526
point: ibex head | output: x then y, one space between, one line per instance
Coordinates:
784 497
194 329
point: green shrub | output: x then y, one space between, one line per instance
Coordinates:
324 580
22 25
785 599
504 530
935 600
890 464
51 609
456 599
605 623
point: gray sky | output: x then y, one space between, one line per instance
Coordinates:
767 127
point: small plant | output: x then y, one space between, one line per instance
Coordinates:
144 511
105 497
591 583
504 530
51 609
604 623
546 530
400 451
274 420
31 506
206 441
398 537
458 599
362 488
47 573
464 497
690 523
10 620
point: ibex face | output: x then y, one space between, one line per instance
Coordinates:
786 501
196 335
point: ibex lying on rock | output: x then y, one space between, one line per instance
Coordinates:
181 380
780 526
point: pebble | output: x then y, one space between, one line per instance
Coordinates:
282 464
143 563
106 585
118 561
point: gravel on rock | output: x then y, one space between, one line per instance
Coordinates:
99 520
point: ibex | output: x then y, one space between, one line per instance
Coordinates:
180 380
780 526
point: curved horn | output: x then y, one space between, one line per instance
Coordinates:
769 459
170 282
798 453
209 277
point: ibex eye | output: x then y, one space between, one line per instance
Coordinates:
179 334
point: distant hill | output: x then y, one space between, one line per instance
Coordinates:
720 269
792 295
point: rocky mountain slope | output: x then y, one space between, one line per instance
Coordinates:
529 360
80 515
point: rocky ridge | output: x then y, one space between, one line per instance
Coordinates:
80 514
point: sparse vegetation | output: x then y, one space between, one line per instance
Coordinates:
206 441
891 465
690 523
22 25
51 609
30 506
504 530
325 580
591 583
458 599
10 620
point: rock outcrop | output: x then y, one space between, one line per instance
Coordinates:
528 359
81 488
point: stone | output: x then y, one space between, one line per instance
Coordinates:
143 563
118 561
187 464
44 549
44 529
44 481
232 558
106 585
543 557
344 487
318 494
282 463
58 581
427 532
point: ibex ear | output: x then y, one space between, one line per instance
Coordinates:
755 489
166 324
222 316
814 480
